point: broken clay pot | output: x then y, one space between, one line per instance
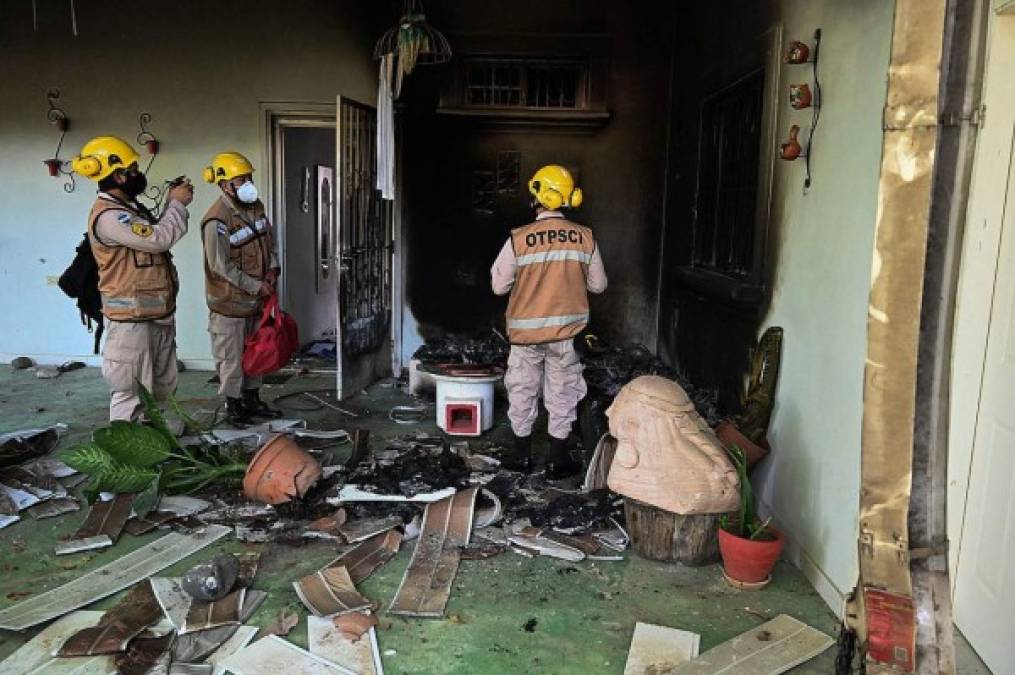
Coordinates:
280 471
212 580
729 434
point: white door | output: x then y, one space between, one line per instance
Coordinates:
985 577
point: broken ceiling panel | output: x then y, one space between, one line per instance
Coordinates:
769 649
108 579
656 649
364 560
272 655
240 639
330 591
426 586
36 655
204 615
135 611
325 640
102 526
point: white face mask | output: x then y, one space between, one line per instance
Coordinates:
247 193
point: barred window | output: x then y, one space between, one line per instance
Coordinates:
518 83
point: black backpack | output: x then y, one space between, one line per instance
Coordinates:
81 282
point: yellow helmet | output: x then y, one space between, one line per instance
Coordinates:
553 187
102 156
226 166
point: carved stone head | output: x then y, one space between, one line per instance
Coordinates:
667 456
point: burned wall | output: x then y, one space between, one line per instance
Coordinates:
453 236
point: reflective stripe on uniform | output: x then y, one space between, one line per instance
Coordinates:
553 256
547 321
126 303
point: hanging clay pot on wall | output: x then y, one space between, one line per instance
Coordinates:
54 166
798 52
280 472
791 149
153 147
800 96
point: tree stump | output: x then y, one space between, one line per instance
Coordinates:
660 535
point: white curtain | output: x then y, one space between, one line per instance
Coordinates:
386 130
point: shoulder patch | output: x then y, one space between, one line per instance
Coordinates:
221 227
141 228
123 218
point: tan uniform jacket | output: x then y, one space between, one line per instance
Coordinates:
238 252
548 266
137 278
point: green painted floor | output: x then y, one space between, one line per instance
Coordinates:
585 612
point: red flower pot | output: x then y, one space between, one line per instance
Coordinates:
280 471
153 147
729 434
53 165
749 560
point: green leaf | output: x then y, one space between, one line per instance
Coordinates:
133 444
91 490
125 478
155 415
89 459
146 500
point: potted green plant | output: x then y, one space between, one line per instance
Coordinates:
147 459
749 547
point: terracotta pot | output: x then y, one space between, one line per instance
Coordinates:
748 560
153 147
53 165
280 471
729 434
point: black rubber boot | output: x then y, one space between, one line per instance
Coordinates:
521 458
236 413
254 406
559 463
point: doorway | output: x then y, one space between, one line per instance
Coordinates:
335 238
310 293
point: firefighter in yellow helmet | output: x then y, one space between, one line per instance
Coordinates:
548 266
137 278
240 270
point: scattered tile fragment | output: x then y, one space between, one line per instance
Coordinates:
240 639
53 508
354 625
145 655
203 615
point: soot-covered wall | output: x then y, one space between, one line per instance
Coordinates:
620 167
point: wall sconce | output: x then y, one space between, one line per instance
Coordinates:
58 118
800 98
146 137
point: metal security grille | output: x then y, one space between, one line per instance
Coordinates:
365 234
726 232
516 83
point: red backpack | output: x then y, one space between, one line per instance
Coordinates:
274 342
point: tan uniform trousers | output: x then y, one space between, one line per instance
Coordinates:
228 335
553 368
142 352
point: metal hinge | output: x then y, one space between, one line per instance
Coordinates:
974 117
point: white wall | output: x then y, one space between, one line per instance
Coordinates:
824 240
201 70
